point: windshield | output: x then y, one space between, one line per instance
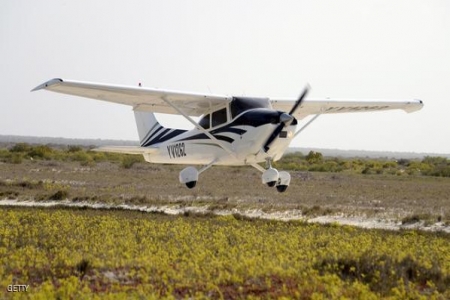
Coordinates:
241 104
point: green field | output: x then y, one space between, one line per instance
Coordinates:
70 253
81 254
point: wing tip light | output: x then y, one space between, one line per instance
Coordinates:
415 105
47 84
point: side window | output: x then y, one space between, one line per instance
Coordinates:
204 122
219 117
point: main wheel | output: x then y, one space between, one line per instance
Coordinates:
282 188
191 184
271 183
270 177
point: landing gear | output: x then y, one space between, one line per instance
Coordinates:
283 181
189 176
191 184
272 178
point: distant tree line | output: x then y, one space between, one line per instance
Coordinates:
22 151
316 162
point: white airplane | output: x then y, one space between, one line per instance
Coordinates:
232 131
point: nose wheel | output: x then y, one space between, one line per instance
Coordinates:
271 177
283 181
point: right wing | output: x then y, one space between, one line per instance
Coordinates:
140 98
332 106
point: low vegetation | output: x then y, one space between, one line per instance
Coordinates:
313 161
84 253
77 174
80 254
84 156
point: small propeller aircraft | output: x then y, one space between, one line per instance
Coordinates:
232 131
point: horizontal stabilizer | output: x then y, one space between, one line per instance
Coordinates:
126 149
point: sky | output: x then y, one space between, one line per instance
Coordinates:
343 49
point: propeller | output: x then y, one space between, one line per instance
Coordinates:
285 119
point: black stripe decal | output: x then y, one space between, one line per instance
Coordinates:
148 133
229 129
203 136
167 137
152 135
156 139
224 138
168 132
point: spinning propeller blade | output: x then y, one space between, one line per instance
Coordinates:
285 119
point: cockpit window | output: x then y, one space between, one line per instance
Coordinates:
214 119
204 121
241 104
219 117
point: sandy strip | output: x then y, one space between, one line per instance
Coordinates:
368 223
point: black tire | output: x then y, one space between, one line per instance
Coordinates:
271 183
282 188
191 184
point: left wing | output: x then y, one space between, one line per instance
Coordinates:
328 106
140 98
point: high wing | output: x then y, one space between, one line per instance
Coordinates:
192 104
329 106
140 98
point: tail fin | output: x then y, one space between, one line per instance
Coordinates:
147 126
150 131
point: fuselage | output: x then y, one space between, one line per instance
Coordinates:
244 136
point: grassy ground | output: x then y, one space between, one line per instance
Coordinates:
315 193
81 254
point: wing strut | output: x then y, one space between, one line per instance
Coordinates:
258 167
212 137
206 167
306 125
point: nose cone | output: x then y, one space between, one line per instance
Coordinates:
286 119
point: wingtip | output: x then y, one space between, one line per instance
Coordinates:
414 106
47 84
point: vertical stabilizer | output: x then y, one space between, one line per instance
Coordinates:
146 124
150 131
